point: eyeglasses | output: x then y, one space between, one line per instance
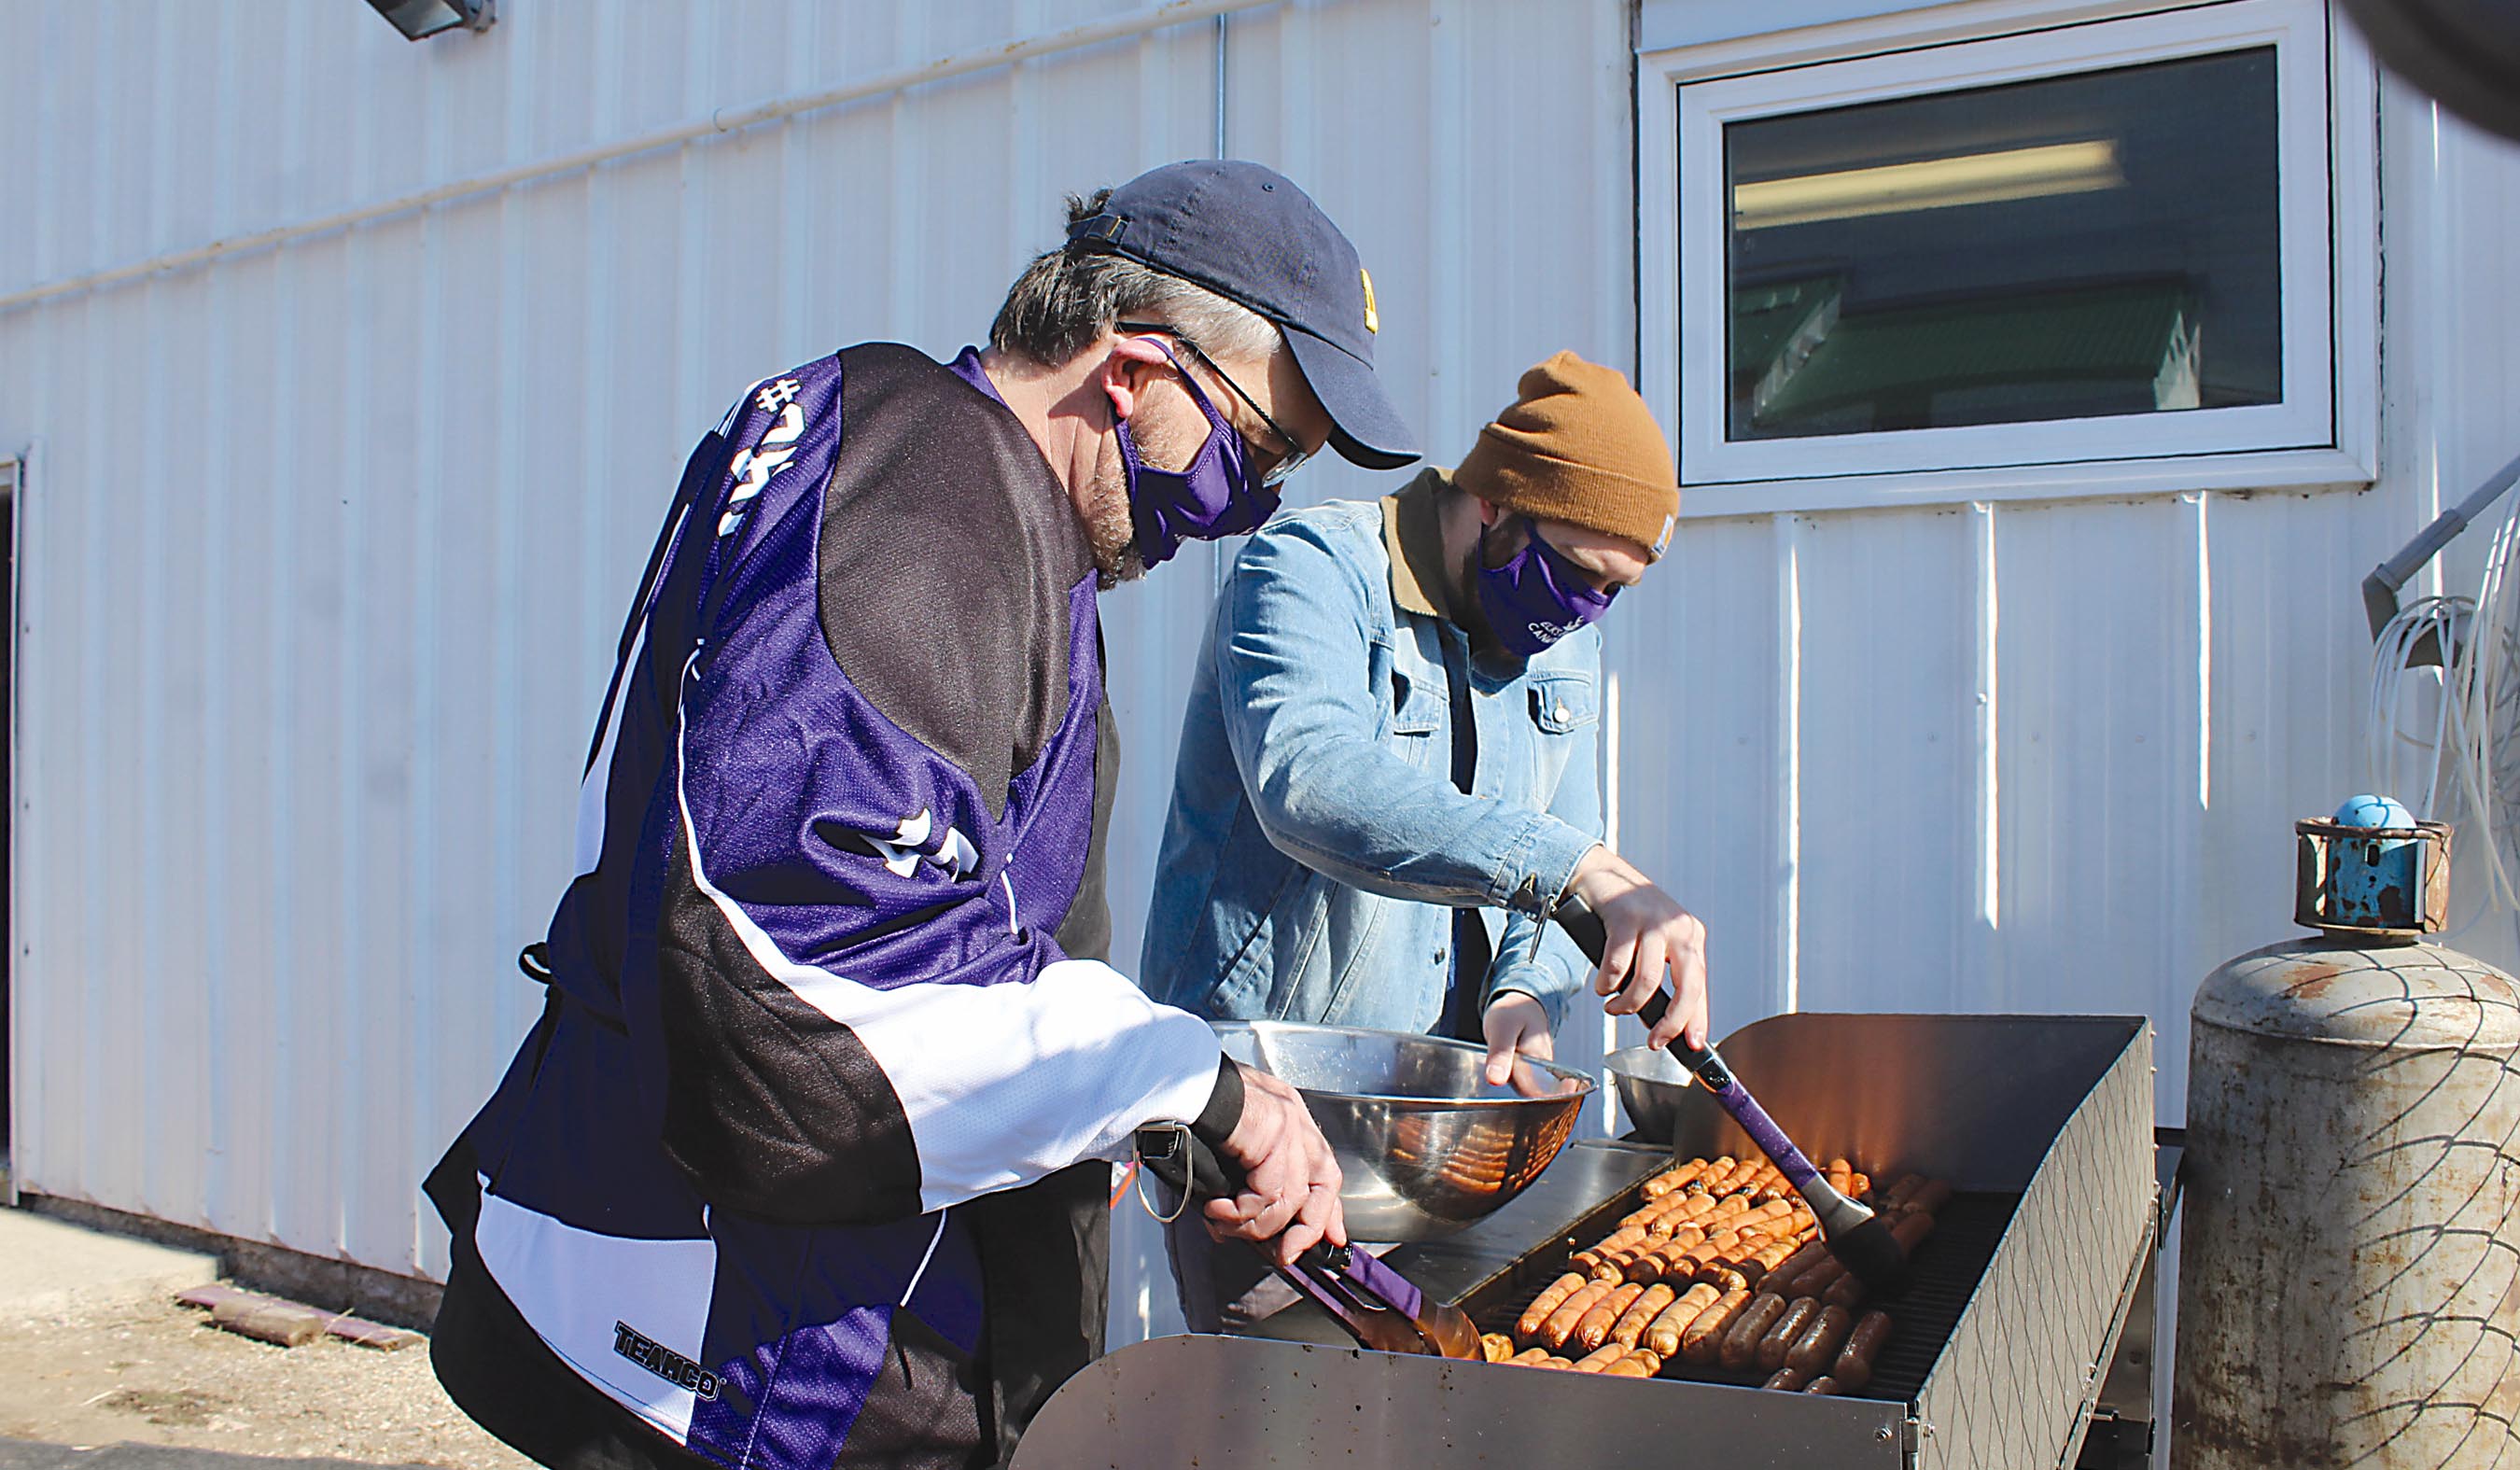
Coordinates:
1296 454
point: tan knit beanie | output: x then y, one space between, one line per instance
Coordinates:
1579 446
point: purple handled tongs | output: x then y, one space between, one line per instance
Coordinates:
1377 1306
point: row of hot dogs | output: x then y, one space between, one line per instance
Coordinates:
1720 1267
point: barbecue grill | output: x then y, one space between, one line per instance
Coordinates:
2000 1358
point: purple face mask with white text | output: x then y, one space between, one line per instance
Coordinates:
1537 597
1215 496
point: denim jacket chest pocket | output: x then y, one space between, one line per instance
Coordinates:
1421 705
1564 703
1564 708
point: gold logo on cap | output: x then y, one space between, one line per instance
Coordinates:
1372 323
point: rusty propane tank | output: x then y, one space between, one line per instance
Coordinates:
2349 1282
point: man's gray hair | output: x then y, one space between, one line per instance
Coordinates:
1069 296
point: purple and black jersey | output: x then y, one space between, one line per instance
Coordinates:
812 1026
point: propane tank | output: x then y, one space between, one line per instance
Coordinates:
2349 1282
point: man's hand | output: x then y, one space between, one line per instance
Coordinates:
1648 932
1515 1025
1291 1182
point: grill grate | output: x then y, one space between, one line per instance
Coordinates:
1948 1267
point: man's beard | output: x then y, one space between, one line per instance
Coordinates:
1110 531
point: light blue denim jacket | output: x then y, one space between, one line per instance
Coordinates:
1317 845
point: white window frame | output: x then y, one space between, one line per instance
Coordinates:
2323 435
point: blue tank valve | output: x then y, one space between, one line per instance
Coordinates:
2373 869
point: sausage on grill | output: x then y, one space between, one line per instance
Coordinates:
1630 1326
1854 1366
1820 1278
1662 1335
1599 1358
1592 1261
1562 1323
1594 1327
1741 1346
1767 1257
1548 1301
1787 1331
1817 1346
1781 1280
1704 1339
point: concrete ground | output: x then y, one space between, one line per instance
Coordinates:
20 1454
94 1352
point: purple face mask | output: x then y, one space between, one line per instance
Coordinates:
1538 596
1215 496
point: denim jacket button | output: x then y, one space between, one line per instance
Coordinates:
1561 712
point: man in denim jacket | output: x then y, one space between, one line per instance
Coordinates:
1389 768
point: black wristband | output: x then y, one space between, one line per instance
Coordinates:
1224 1111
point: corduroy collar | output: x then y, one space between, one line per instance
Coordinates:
1412 532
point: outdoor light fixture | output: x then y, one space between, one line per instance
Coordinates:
418 19
2013 173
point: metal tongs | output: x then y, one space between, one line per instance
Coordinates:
1377 1306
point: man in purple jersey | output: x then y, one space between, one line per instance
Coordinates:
804 1165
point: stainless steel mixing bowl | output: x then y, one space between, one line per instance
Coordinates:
1425 1144
1650 1085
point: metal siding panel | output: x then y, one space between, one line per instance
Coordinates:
2291 657
177 668
47 1046
463 1002
2092 617
114 1004
250 947
1889 617
1696 648
312 890
366 1068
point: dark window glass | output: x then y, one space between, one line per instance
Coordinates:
2098 244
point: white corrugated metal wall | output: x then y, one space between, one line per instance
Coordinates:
327 541
2045 756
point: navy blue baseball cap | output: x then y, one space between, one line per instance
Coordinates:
1247 234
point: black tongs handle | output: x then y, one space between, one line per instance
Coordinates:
1183 1160
1189 1166
1585 927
